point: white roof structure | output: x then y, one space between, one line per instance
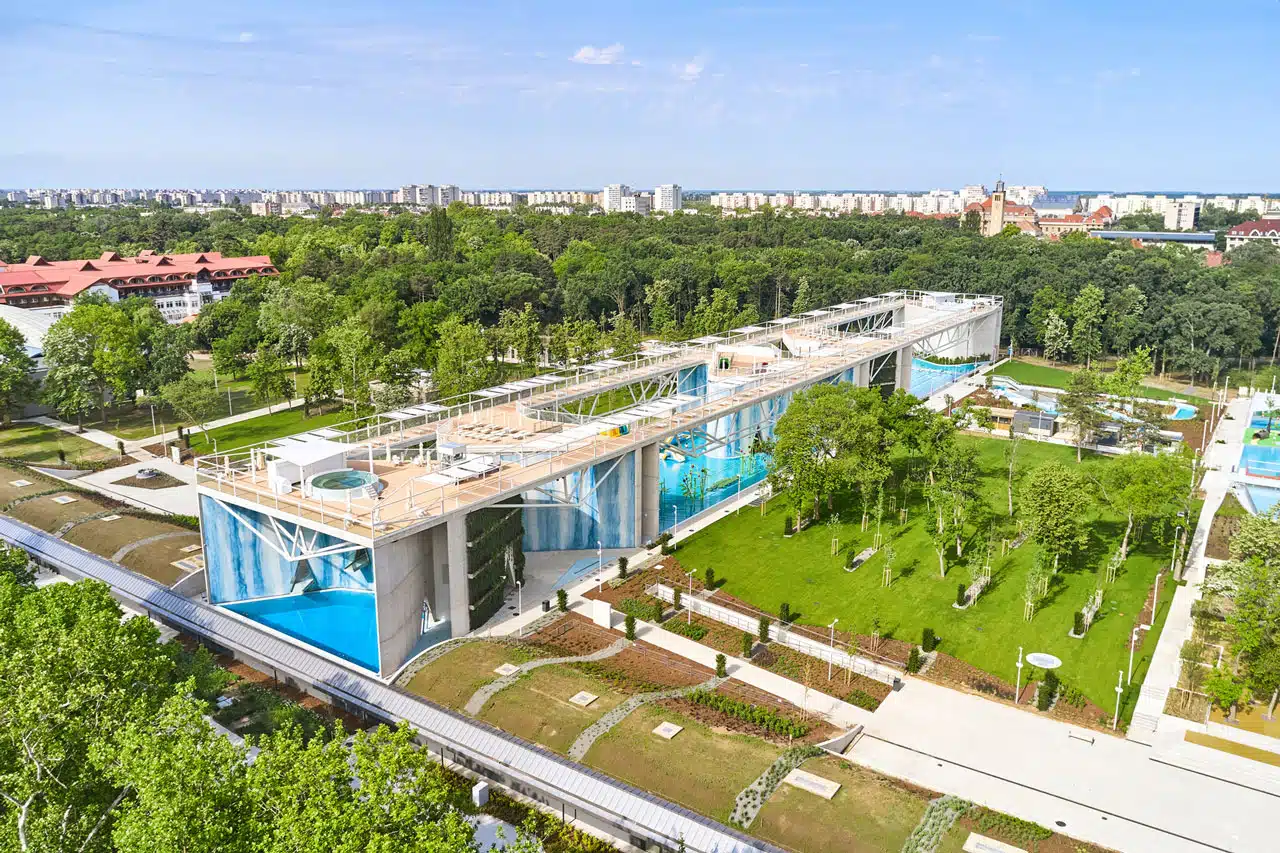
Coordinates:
707 339
32 324
747 330
303 453
782 321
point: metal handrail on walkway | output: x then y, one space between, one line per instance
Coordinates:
508 760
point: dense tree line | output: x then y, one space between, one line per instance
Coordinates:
368 296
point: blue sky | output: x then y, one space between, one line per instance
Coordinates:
1126 96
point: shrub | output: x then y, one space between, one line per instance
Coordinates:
788 526
1077 626
748 644
721 671
1048 687
668 548
784 612
675 598
928 639
763 631
960 596
622 567
630 623
641 608
765 718
685 629
862 699
562 600
710 578
913 660
657 612
1016 830
62 456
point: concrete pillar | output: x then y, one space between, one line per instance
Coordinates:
862 375
459 588
648 461
903 379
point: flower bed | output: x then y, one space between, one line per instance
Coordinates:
571 635
953 671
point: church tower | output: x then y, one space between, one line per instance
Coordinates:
996 223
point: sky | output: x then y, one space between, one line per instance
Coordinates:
1124 96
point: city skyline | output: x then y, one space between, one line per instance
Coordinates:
718 97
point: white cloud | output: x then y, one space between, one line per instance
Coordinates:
690 71
245 37
591 55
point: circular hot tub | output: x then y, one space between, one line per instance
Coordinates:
340 485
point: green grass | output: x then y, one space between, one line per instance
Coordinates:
39 444
455 676
263 428
758 565
1057 377
537 707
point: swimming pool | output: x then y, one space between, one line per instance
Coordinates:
1263 498
928 378
1260 460
1183 411
336 485
342 622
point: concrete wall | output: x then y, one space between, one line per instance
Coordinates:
402 581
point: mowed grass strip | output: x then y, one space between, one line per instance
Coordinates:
1057 377
263 428
39 444
156 559
456 675
869 813
537 706
699 769
755 563
42 512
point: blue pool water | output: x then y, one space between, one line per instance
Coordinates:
1264 499
1260 460
674 505
345 479
928 378
1183 412
342 622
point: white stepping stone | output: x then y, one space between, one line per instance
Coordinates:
110 518
667 731
19 484
191 549
824 788
583 698
507 669
64 499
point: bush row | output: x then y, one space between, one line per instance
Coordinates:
862 699
765 718
685 629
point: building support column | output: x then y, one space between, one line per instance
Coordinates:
459 587
647 459
903 379
862 375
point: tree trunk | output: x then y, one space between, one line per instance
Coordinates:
1124 543
1271 708
942 562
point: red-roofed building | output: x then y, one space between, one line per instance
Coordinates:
996 212
1266 229
1057 226
178 284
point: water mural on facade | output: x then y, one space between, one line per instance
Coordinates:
607 493
240 565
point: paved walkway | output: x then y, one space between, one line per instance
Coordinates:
177 500
1166 666
593 732
97 436
1103 789
484 694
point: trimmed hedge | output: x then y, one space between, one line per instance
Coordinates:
862 699
685 629
765 718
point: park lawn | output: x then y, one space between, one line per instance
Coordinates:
263 428
869 814
106 538
39 445
10 492
1056 377
156 559
699 769
537 706
758 565
455 676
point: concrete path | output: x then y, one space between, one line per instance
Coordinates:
593 732
476 703
1106 790
97 436
159 537
1166 665
178 500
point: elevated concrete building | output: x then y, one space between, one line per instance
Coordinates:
374 540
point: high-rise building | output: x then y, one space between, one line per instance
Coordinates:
612 195
1182 214
667 198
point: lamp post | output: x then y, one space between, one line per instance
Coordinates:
520 606
689 611
1133 641
599 566
1017 691
832 626
1115 721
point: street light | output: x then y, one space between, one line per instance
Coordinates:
687 609
599 566
1017 691
832 626
1133 641
520 606
1115 721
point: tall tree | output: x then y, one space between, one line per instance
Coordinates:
101 339
1057 338
1143 488
522 332
1081 407
1054 503
624 340
17 385
1086 332
462 361
195 399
